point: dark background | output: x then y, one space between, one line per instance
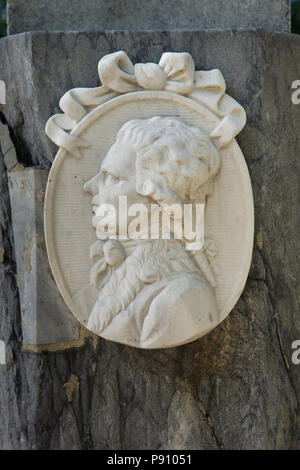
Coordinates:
296 16
2 17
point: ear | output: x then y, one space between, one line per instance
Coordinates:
206 190
160 194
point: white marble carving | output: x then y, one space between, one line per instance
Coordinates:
161 135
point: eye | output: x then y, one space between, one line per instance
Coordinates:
111 179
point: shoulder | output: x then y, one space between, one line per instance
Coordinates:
184 307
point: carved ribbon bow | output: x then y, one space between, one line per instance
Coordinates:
175 73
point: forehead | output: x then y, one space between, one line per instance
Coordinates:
119 160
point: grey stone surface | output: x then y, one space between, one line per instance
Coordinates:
45 317
138 15
236 388
11 417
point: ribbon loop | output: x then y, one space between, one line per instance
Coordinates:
116 71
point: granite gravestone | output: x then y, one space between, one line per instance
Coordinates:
235 388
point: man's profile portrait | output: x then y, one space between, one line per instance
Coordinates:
151 293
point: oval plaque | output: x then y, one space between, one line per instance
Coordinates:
149 210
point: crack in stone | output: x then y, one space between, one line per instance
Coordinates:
206 415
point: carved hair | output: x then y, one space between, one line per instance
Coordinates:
170 158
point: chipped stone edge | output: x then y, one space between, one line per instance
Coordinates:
54 347
9 151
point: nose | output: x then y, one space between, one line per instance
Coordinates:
92 185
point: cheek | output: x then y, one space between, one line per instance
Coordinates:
127 189
111 194
111 191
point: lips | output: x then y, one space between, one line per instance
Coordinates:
95 220
95 200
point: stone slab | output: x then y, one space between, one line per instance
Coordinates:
138 15
45 317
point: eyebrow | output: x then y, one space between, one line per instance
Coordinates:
105 172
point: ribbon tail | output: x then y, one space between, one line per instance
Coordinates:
74 103
232 124
56 128
209 90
